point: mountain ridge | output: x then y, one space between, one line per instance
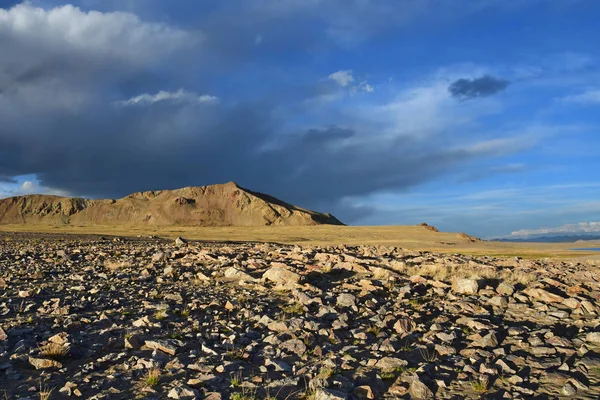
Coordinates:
225 204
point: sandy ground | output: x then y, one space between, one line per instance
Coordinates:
410 237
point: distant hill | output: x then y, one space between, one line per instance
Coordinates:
553 239
214 205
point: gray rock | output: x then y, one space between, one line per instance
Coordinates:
465 286
346 300
183 393
418 390
281 275
505 289
327 394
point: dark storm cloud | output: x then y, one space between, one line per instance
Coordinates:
332 133
465 89
113 151
65 118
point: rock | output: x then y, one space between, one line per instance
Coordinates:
60 339
161 256
569 390
346 300
488 341
389 364
43 363
161 345
593 337
404 326
281 275
418 390
381 273
465 286
293 346
179 241
498 301
505 289
363 392
326 394
183 392
236 274
134 341
543 295
359 335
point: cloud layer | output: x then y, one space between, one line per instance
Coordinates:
567 229
465 89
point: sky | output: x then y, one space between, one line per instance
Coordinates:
478 116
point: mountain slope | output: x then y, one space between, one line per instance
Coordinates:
214 205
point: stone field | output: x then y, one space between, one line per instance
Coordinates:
95 317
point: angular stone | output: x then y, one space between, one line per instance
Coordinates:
281 275
569 390
418 390
363 393
593 337
43 363
404 326
498 301
295 346
183 393
327 394
236 274
505 289
465 286
346 300
389 364
543 295
161 345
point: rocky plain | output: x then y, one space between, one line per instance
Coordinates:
96 317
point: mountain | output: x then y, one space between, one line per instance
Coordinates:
214 205
552 239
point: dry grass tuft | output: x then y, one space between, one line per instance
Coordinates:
152 377
516 276
482 385
54 350
45 393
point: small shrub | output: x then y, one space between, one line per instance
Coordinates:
481 386
294 309
236 379
152 377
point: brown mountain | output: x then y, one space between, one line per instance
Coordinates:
214 205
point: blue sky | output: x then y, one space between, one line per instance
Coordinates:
479 116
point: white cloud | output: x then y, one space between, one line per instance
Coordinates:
33 187
27 187
569 229
363 87
588 97
342 78
115 34
180 96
